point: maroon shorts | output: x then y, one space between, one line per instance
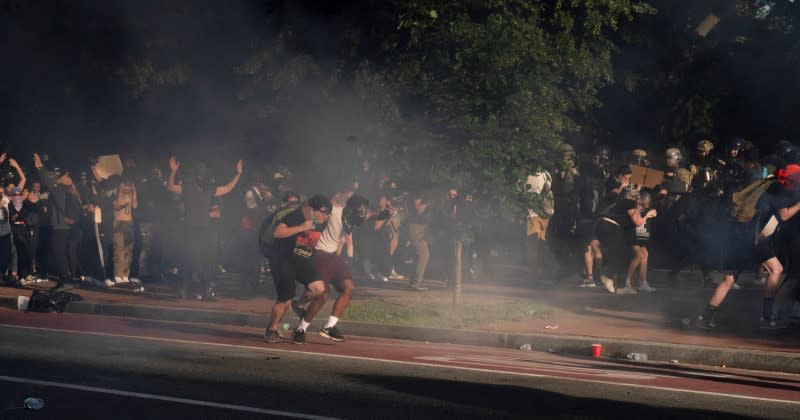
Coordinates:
330 268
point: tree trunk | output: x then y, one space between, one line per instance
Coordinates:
457 271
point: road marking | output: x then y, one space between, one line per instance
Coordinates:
341 356
511 363
163 398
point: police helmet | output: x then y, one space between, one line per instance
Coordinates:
705 146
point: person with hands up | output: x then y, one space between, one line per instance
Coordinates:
197 191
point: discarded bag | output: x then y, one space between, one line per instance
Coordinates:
52 301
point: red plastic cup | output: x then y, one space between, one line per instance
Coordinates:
597 350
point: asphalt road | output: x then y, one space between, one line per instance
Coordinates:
88 367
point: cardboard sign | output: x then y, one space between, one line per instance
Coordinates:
108 165
646 177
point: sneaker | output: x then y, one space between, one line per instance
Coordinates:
417 286
299 337
332 333
121 280
587 283
608 283
298 310
394 275
627 290
134 280
771 324
272 336
705 324
381 277
109 283
645 287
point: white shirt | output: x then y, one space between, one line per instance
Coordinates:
329 239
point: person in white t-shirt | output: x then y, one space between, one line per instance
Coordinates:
331 269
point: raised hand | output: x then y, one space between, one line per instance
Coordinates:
37 160
239 167
173 164
2 158
13 163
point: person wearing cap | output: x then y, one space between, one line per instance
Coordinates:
704 159
639 157
296 236
64 215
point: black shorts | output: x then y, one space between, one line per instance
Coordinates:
289 270
282 278
765 250
304 272
331 268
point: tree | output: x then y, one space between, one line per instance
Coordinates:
501 81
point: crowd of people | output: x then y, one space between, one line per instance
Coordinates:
83 227
730 212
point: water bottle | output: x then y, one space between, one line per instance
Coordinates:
33 403
639 357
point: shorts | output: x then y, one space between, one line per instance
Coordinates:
585 231
282 278
331 268
765 250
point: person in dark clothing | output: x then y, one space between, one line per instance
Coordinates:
197 192
11 205
66 211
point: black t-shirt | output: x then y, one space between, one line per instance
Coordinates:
301 244
197 204
775 198
618 212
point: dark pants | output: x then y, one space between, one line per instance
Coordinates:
26 240
64 244
616 250
199 261
5 253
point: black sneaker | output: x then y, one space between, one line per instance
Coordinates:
298 310
705 324
272 336
299 337
332 333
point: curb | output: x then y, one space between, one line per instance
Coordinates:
565 344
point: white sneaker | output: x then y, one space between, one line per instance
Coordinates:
121 280
109 283
645 287
134 280
394 275
627 290
608 283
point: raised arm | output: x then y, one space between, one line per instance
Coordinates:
232 184
15 165
134 199
173 169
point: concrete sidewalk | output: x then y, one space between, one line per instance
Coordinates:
644 323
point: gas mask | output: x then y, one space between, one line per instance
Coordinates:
353 216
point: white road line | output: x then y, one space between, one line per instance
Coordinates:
163 398
341 356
